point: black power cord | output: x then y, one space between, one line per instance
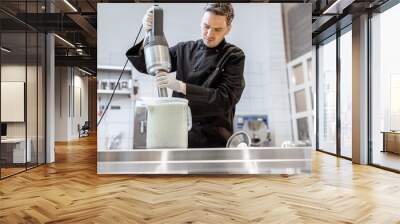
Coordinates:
120 76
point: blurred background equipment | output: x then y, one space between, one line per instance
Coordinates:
139 126
256 126
239 140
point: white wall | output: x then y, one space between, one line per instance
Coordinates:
68 81
256 29
61 103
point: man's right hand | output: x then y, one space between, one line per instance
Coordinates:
147 20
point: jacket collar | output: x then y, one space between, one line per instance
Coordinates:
219 47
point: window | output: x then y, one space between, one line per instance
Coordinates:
300 100
302 129
300 92
346 94
298 76
385 89
327 96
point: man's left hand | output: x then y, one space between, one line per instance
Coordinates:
168 80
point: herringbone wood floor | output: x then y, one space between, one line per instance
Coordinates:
70 191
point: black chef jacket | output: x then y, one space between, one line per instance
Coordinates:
212 102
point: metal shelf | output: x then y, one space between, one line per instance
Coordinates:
106 91
113 68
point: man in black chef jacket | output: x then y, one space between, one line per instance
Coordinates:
212 91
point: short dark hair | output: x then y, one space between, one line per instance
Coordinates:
221 9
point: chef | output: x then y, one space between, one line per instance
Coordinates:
209 74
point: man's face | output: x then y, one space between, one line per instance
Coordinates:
214 29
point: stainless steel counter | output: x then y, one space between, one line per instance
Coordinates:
269 160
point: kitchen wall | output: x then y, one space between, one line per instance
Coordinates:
260 36
266 89
115 129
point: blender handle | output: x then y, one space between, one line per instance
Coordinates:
189 118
